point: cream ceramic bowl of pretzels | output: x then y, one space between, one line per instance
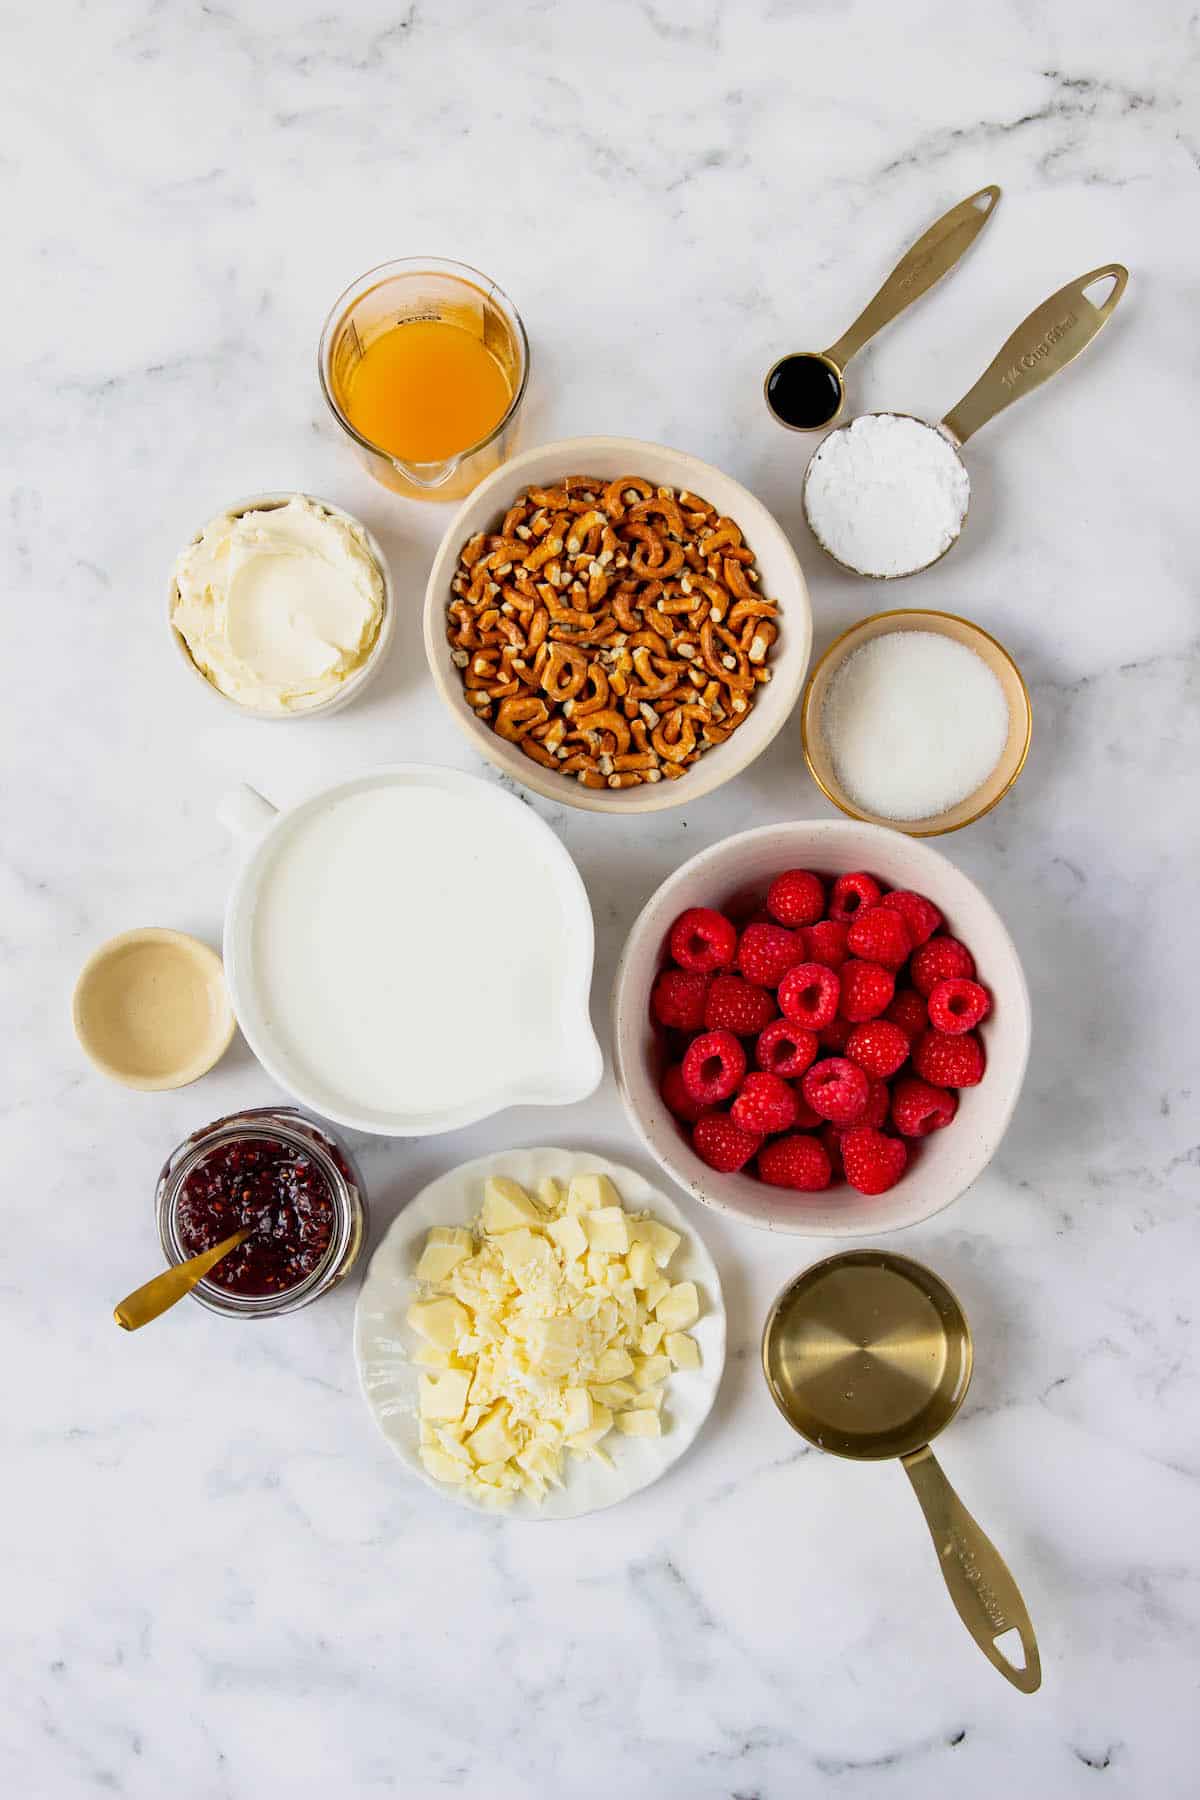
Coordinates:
617 625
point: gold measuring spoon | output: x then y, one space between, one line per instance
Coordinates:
806 389
868 1355
156 1296
1051 337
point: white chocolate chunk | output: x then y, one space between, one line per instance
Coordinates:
569 1235
444 1395
607 1229
680 1307
506 1206
683 1350
592 1193
640 1422
440 1322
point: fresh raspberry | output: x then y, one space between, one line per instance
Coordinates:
877 1047
919 914
945 1061
909 1012
825 943
835 1035
713 1066
733 1005
809 995
766 953
957 1005
703 940
806 1118
674 1091
867 989
723 1145
677 999
918 1108
796 898
831 1137
796 1162
837 1089
873 1163
764 1103
879 1102
939 960
880 936
852 894
785 1048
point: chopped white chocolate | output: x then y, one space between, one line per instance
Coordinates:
683 1350
680 1307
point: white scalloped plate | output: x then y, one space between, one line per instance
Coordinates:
383 1343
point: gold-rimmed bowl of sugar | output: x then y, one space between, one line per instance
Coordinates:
961 788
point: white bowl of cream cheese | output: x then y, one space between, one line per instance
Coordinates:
282 606
410 951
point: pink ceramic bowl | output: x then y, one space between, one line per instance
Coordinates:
736 872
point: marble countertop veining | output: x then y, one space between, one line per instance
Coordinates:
216 1583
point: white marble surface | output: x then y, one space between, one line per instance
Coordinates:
216 1583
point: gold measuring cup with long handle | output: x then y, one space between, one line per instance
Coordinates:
821 373
868 1355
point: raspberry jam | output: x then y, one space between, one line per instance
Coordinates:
276 1190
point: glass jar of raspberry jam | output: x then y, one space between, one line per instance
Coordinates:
287 1180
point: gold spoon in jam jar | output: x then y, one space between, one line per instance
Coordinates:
157 1296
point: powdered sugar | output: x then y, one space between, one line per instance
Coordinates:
915 722
886 494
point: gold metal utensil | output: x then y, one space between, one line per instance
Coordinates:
868 1355
154 1297
1051 337
805 390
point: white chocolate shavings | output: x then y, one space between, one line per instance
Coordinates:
548 1325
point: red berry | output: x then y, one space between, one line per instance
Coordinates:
938 960
831 1137
852 894
918 1108
873 1162
919 914
835 1035
702 939
837 1089
765 953
733 1005
796 898
764 1103
713 1066
809 994
674 1091
796 1162
723 1145
677 999
909 1012
877 1047
867 989
957 1004
879 1102
785 1048
806 1118
880 936
825 943
945 1061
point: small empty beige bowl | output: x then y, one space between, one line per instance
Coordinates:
1020 718
150 1009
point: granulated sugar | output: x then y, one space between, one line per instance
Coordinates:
914 722
886 494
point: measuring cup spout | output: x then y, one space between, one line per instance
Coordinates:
427 475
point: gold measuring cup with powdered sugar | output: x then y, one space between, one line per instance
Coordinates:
886 495
868 1355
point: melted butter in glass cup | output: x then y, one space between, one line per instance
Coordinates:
421 292
266 1124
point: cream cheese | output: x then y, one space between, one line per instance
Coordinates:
279 608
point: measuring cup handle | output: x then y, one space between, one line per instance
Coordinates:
1051 337
988 1600
933 255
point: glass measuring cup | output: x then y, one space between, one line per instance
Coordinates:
1051 337
868 1355
805 390
425 290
